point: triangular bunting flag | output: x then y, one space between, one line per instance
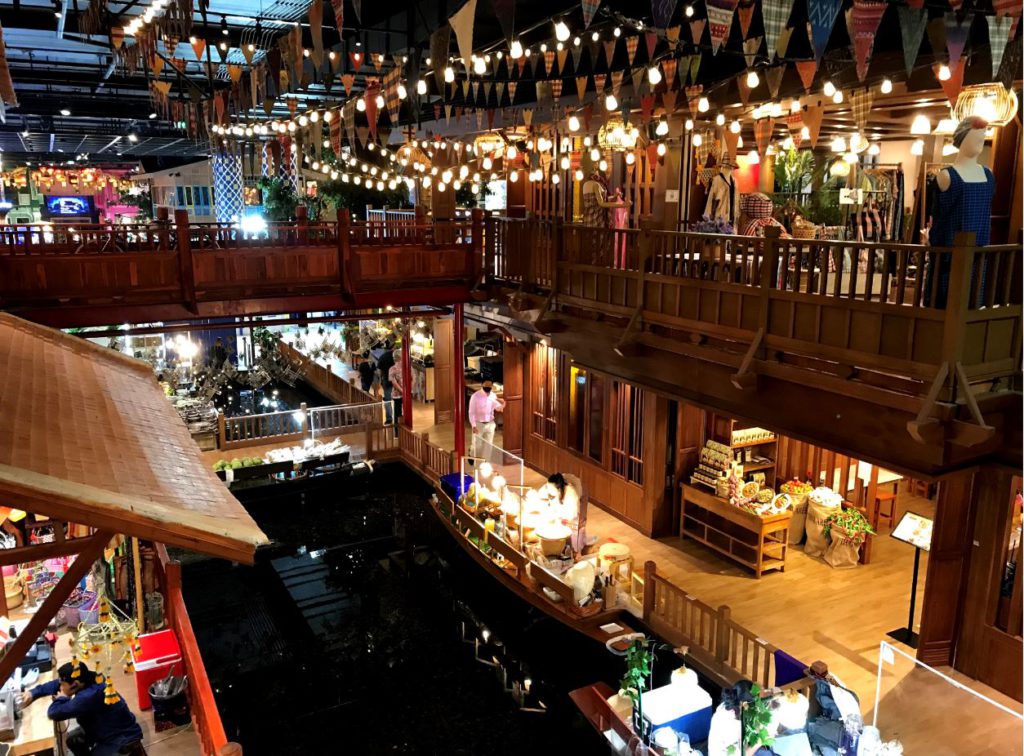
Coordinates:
576 50
439 42
499 87
528 117
505 11
775 14
316 21
860 106
646 107
865 16
783 44
661 11
512 91
750 48
248 52
348 80
956 36
556 89
913 22
616 83
695 66
198 47
589 9
720 14
998 36
462 24
821 16
363 132
952 86
937 35
581 87
465 90
549 62
697 30
668 101
609 52
638 80
377 59
746 14
562 55
476 91
631 44
731 141
651 42
795 122
672 34
774 78
599 82
812 120
357 60
357 6
807 69
741 84
447 113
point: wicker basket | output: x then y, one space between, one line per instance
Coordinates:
804 230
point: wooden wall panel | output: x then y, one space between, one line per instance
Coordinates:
514 418
444 379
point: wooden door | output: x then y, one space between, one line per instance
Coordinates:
444 378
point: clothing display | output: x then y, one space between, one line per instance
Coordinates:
723 198
965 206
593 212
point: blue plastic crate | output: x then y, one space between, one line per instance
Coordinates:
452 485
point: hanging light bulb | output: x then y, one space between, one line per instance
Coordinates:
361 104
654 76
921 125
486 163
698 140
874 149
511 152
662 149
303 121
595 154
917 148
838 145
944 73
662 128
554 178
610 103
830 89
578 175
617 31
587 141
513 176
753 158
689 124
515 50
837 98
480 66
603 165
421 87
449 74
689 11
630 158
703 106
574 123
561 31
734 127
328 116
753 79
380 101
564 163
314 116
595 37
402 93
576 41
720 119
886 86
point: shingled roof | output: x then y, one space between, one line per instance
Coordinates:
87 435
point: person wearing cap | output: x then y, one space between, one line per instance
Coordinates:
482 406
104 728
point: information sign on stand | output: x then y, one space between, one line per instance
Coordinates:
916 530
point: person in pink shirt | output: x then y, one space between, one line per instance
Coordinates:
482 406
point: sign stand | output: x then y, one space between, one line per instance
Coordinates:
906 635
917 531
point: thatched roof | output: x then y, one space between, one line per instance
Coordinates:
87 435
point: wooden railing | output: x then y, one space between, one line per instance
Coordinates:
205 715
325 380
418 451
269 427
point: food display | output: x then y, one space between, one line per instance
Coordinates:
309 450
236 463
742 436
715 462
796 488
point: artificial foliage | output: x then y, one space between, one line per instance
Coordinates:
139 198
709 225
638 670
756 715
794 170
356 198
279 198
852 521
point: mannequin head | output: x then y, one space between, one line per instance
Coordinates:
969 137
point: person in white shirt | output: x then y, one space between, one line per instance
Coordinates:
482 406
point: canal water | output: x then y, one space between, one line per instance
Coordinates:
365 629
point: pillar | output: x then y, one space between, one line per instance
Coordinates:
229 199
407 375
459 380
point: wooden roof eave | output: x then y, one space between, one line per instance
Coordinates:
107 510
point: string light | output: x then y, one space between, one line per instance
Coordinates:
689 11
574 123
595 154
480 66
402 93
562 32
688 125
886 86
630 158
564 163
917 148
837 98
662 128
944 73
720 119
753 79
421 87
361 104
830 89
698 140
513 176
654 76
578 175
380 101
449 74
554 178
703 106
921 125
610 103
603 165
662 149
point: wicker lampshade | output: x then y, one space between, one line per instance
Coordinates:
993 102
617 135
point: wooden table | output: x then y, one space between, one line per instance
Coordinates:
758 543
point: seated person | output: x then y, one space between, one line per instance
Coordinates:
104 729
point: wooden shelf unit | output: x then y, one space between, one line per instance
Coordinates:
722 429
758 543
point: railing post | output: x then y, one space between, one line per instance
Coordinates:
958 295
770 258
650 571
477 266
459 380
304 423
722 635
345 253
186 268
302 222
163 221
420 223
221 429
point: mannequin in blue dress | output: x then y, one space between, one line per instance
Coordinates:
964 203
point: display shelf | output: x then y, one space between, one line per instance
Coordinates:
756 542
748 444
759 466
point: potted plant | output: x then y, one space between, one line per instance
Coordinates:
634 681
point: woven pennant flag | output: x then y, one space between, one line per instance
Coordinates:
812 120
807 69
661 11
528 117
348 80
616 83
952 86
581 87
512 91
599 82
576 50
549 62
821 16
499 87
865 16
697 30
589 9
775 14
439 42
556 89
956 36
693 95
731 142
720 14
651 42
750 48
913 22
783 43
695 65
672 34
476 91
234 72
746 14
937 35
774 78
998 37
741 84
668 101
562 55
646 107
339 14
372 90
609 52
795 122
248 52
465 90
357 60
638 80
631 44
860 105
668 65
377 59
505 11
462 24
336 135
198 47
316 21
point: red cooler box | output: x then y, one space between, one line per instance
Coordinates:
158 653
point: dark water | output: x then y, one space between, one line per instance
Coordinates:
355 634
276 396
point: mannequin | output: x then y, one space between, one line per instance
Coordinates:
964 202
723 196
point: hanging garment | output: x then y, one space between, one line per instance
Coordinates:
723 199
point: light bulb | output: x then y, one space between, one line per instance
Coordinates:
595 37
578 175
511 152
480 66
486 164
421 87
617 31
574 123
753 158
630 158
564 163
361 104
689 124
610 103
603 165
380 101
543 47
734 127
753 79
698 140
587 141
513 176
837 98
449 74
662 128
662 149
720 119
703 106
830 89
874 149
562 31
402 93
654 76
886 86
303 121
689 11
441 187
921 125
576 41
805 133
595 154
838 145
314 116
527 52
917 148
328 116
944 73
554 178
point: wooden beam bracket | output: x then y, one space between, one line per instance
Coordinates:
745 379
934 423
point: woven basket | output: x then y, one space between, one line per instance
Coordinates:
804 231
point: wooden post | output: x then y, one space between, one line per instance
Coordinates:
345 253
722 636
650 570
186 268
459 382
958 298
407 376
221 429
419 229
140 608
477 264
163 221
91 551
302 222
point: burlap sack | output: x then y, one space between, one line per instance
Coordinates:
817 514
797 524
842 551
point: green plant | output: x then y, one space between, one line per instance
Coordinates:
262 337
852 521
279 198
355 198
140 198
638 671
794 170
756 718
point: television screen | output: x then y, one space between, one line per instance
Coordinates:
68 205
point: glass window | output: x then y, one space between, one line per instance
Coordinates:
628 432
206 194
545 398
181 196
188 196
596 413
577 408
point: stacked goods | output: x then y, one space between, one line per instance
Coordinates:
715 461
846 531
798 494
822 503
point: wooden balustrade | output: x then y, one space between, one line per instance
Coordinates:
324 380
429 458
269 427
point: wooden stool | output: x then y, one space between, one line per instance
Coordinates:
886 498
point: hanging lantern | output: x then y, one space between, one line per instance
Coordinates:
618 135
992 102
